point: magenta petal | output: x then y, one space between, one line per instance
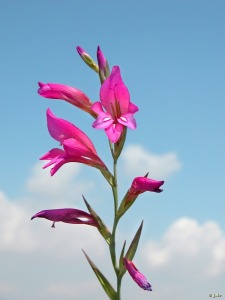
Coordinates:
61 129
128 120
133 108
97 107
107 91
114 132
104 120
122 96
66 215
137 276
143 184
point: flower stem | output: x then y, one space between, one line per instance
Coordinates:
115 223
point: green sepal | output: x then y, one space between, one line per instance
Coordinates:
101 226
104 74
108 176
118 146
132 249
125 205
102 279
121 257
90 62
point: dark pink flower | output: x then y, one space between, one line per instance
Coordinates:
66 215
141 185
77 147
67 93
118 110
138 277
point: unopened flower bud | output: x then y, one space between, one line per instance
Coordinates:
87 59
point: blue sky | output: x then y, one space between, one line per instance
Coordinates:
171 55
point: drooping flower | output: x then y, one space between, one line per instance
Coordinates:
138 277
66 215
77 147
67 93
118 113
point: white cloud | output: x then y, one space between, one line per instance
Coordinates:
62 187
190 245
139 161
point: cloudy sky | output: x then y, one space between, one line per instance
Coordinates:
171 55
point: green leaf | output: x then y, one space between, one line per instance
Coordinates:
104 282
121 257
133 248
101 226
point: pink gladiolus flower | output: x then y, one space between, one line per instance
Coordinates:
115 99
141 185
67 93
66 215
77 147
138 277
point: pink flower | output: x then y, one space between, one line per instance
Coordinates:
141 185
138 277
67 93
77 147
66 215
115 99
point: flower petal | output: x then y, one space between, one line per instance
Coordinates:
104 120
66 215
128 120
114 132
65 92
114 92
137 276
61 129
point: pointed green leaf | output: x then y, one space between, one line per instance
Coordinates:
104 282
122 256
133 247
101 226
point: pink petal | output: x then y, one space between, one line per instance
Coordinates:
114 132
97 107
113 90
104 120
132 108
127 120
61 129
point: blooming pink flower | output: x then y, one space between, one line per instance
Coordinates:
141 185
66 215
138 277
67 93
115 99
77 147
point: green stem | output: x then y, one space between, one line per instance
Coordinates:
115 223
